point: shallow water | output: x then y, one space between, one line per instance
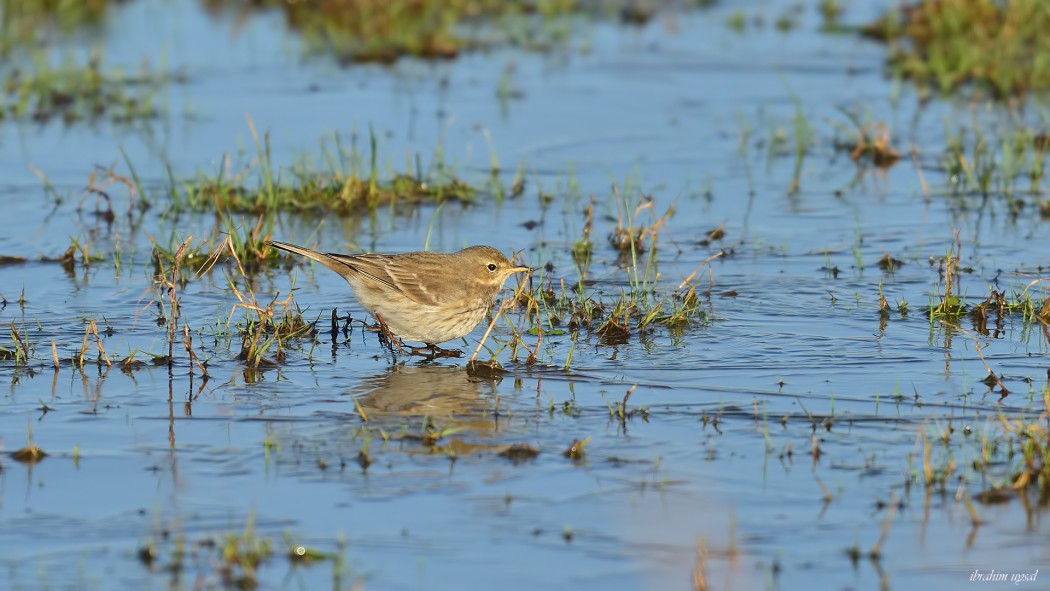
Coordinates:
722 460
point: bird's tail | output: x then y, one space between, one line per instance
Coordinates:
323 258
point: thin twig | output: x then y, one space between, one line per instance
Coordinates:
704 262
21 343
188 341
918 170
623 406
506 304
93 327
980 354
172 288
876 550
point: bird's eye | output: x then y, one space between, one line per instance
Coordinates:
492 266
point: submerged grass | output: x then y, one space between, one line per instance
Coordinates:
615 317
1010 164
949 305
266 325
1009 455
384 31
33 23
993 47
72 92
870 143
234 559
986 159
1030 437
349 182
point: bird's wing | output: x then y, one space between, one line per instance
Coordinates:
425 282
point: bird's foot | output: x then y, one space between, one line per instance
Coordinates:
391 341
435 352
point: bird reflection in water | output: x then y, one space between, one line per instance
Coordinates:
438 391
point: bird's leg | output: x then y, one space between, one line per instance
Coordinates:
388 338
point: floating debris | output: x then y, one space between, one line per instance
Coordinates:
519 452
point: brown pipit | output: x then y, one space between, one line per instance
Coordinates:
429 297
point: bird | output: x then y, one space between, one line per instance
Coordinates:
423 296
